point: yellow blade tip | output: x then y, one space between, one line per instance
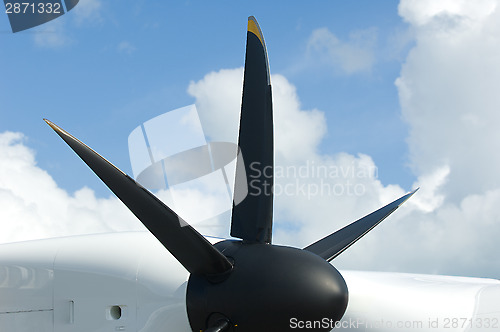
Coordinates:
52 125
254 28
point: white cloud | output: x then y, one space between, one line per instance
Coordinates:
218 100
449 100
429 198
352 56
448 94
32 206
422 12
218 95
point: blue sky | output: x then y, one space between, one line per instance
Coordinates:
90 74
406 89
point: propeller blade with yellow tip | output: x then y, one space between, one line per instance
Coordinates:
252 218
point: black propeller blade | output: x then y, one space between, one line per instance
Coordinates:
269 284
249 285
334 244
190 248
252 219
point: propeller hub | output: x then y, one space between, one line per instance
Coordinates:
270 288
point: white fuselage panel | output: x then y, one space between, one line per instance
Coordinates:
130 282
108 282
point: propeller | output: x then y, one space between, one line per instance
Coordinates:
248 284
